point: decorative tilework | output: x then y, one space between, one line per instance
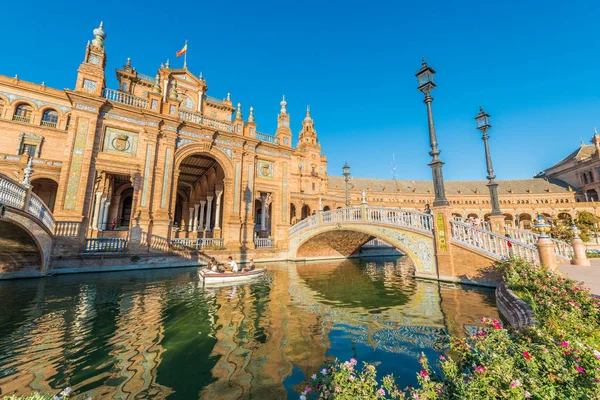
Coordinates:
39 103
271 153
172 109
166 178
121 118
171 128
146 183
236 188
285 155
286 140
284 193
183 142
119 141
86 107
154 105
264 169
150 123
251 147
249 198
227 143
89 84
94 60
225 150
76 163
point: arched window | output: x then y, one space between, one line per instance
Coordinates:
49 118
23 113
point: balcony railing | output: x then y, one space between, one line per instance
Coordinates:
197 243
105 245
261 243
146 77
20 118
214 100
66 228
200 119
124 98
15 195
48 124
267 138
562 249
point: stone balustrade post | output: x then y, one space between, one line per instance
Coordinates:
497 224
579 255
546 253
191 219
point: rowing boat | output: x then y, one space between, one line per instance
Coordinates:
218 277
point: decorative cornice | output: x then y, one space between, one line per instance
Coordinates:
39 103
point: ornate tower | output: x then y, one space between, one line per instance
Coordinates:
596 142
284 132
90 75
308 135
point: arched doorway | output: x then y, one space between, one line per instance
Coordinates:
591 195
125 208
326 208
202 179
45 189
525 221
292 214
305 212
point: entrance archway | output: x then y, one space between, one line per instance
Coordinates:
46 190
305 212
292 214
202 180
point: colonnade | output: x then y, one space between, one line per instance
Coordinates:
200 218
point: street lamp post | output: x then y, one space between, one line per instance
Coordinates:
346 170
483 124
426 85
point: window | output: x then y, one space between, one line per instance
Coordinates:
29 149
23 113
313 186
68 122
585 179
50 118
591 176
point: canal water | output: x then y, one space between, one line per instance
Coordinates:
160 334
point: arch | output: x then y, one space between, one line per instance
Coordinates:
348 238
565 218
46 189
201 149
305 212
525 221
49 117
293 217
326 208
508 219
23 112
472 215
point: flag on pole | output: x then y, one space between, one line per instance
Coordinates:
183 50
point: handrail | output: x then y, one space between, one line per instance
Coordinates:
197 243
200 119
562 249
267 138
491 243
124 98
260 243
101 245
17 195
146 77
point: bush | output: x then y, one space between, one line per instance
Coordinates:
557 359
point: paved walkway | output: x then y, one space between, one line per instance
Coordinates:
590 276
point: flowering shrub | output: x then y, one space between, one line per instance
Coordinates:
557 359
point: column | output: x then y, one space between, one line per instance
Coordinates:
263 213
95 216
201 224
101 214
209 200
191 219
219 193
195 226
105 215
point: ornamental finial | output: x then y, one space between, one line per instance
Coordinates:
238 113
156 87
174 95
99 36
283 104
128 63
168 65
251 116
228 96
28 171
201 78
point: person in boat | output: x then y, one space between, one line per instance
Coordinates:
250 267
213 265
233 265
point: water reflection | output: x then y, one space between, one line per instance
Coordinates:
161 335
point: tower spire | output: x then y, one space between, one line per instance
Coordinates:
99 36
251 116
238 113
283 104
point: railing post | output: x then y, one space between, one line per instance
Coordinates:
579 256
547 255
27 199
497 224
442 216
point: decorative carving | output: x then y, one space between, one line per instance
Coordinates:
31 139
76 164
89 84
264 169
86 107
120 142
39 103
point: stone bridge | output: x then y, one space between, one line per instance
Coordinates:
26 227
439 246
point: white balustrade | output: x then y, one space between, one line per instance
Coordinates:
200 119
197 243
562 249
38 209
491 243
14 194
267 138
214 99
260 243
66 228
20 118
124 98
146 77
108 245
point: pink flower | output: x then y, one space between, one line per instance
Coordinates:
479 369
381 392
352 378
579 369
338 389
442 358
308 389
313 377
526 355
515 383
497 324
423 373
527 394
352 361
564 344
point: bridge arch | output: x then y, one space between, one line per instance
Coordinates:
341 233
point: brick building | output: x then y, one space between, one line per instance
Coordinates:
158 158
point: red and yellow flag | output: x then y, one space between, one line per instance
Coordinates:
182 51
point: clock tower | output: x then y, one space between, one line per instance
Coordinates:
284 133
90 75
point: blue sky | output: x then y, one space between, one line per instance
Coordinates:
532 65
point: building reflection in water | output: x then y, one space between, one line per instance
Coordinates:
160 334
